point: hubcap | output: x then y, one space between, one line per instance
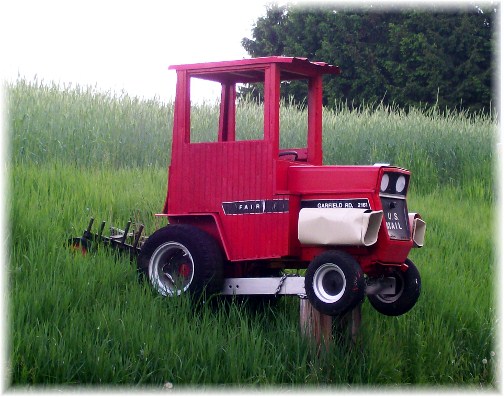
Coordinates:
386 298
171 268
329 283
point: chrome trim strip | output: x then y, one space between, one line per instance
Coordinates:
397 196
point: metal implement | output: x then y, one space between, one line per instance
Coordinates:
119 239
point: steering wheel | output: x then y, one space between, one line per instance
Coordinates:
289 153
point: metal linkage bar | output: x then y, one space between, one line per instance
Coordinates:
292 286
263 286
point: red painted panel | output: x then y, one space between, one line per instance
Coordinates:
231 172
330 179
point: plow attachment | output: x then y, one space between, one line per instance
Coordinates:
122 240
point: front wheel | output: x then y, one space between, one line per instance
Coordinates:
334 283
181 258
408 286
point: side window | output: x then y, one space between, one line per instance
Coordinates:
250 114
205 103
293 114
241 116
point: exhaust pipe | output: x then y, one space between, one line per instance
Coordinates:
338 226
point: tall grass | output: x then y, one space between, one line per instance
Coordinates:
84 127
439 147
77 320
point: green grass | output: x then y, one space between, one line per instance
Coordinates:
77 320
92 129
92 313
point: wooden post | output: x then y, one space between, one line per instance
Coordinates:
318 327
315 325
356 321
348 325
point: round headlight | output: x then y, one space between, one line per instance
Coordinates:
384 182
400 184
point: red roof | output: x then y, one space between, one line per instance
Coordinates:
252 70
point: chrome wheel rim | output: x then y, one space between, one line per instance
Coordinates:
329 283
171 268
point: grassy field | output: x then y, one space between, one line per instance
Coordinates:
76 320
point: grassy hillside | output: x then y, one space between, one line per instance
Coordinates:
77 320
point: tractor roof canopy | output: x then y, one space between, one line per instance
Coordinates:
227 128
252 70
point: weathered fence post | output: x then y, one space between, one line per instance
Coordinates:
318 327
347 326
315 325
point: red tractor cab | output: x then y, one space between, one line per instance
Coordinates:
241 210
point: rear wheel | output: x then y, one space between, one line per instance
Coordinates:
181 258
334 283
408 286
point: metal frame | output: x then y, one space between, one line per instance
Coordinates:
294 285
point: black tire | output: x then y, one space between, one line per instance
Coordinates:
334 283
182 258
408 287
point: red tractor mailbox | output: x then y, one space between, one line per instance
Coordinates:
241 211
